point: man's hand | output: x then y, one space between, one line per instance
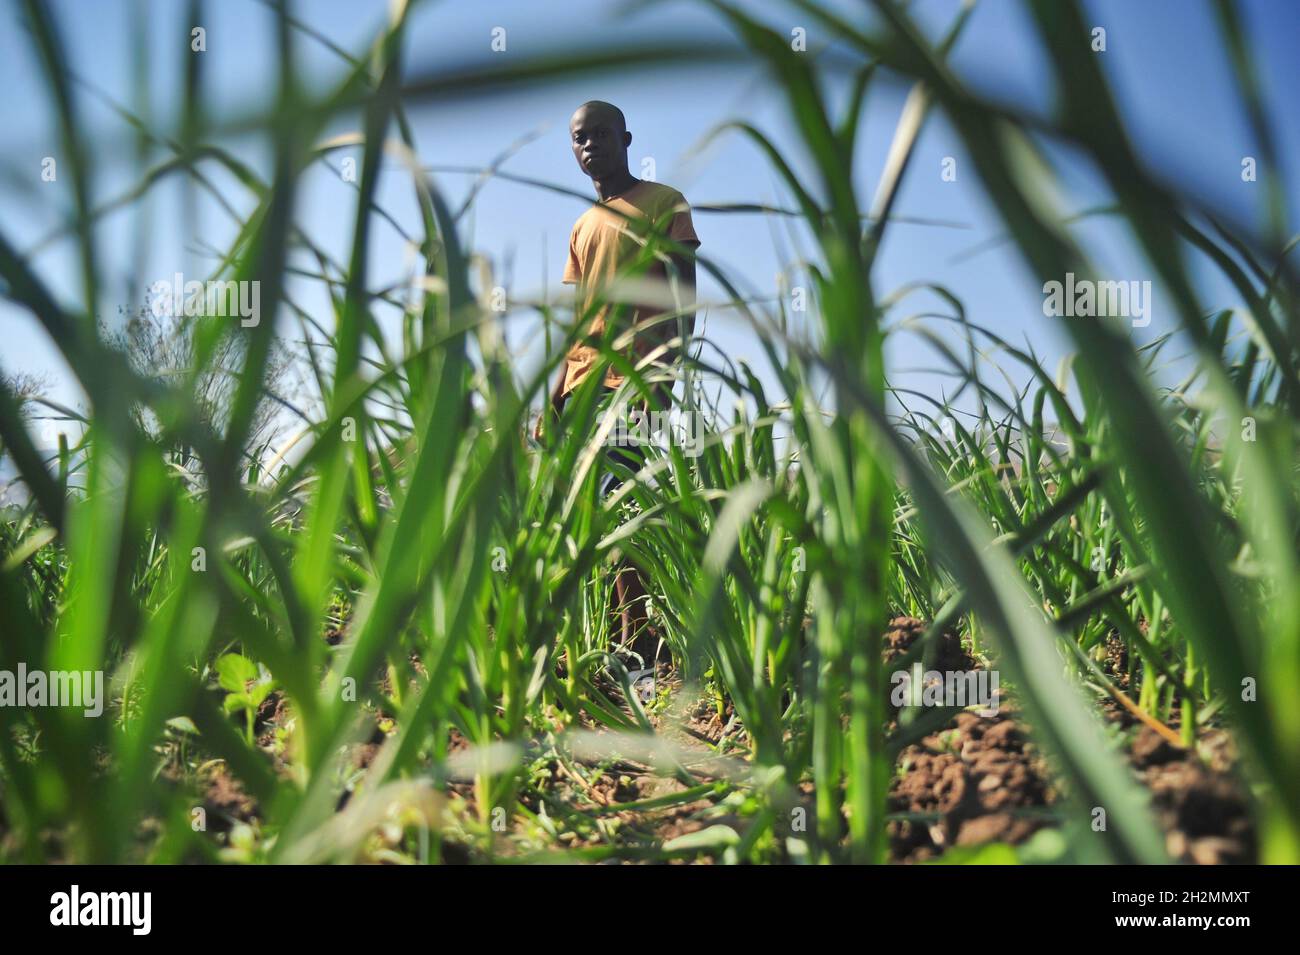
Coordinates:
555 405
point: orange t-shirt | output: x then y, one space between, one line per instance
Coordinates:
606 239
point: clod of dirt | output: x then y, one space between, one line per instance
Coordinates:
976 778
1152 749
226 803
1205 814
904 631
968 783
998 827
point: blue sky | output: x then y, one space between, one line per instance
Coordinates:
1168 66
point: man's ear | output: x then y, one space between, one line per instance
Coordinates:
627 139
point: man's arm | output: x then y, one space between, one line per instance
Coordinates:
557 393
555 404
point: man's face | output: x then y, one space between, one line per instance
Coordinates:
599 141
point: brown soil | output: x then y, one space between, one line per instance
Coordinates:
979 780
1204 810
905 631
705 723
225 803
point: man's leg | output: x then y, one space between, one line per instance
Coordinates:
633 618
632 628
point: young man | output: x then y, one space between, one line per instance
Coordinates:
607 240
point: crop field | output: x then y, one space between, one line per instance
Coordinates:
1046 613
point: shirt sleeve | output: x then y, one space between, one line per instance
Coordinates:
681 228
572 267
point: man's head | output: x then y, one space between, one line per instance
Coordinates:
599 136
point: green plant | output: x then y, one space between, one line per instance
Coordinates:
246 688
